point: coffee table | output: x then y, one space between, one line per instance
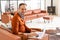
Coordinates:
39 23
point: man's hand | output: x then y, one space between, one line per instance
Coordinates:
20 33
32 30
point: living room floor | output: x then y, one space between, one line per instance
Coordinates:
52 37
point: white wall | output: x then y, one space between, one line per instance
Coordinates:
55 3
59 8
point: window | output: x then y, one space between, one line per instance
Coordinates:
3 4
42 5
13 6
34 4
31 4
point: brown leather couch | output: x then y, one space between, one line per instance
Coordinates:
28 15
6 34
32 14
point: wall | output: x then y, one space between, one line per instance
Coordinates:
59 8
55 2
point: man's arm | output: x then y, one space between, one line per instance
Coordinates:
15 26
21 20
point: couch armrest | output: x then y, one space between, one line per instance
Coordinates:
36 29
5 35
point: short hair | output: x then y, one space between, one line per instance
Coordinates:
22 4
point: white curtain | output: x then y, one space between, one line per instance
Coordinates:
3 3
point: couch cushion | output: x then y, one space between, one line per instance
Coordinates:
5 35
41 15
37 11
28 12
3 26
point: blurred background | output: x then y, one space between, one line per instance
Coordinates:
12 5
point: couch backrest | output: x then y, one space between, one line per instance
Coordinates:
36 11
43 11
5 18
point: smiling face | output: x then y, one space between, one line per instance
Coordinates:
22 8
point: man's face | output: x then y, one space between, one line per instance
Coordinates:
22 8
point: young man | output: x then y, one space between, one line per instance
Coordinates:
18 24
